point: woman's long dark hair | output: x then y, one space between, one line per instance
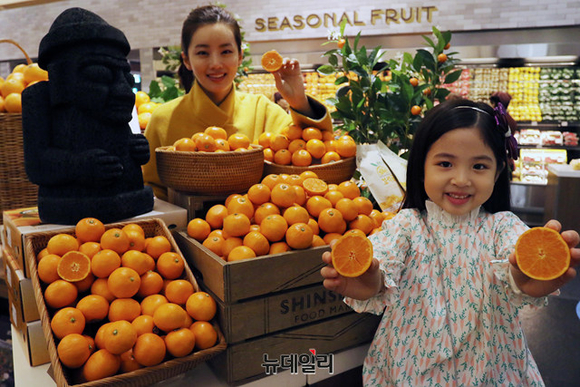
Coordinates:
201 16
443 118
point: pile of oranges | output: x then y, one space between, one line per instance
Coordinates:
20 78
145 108
213 139
120 301
283 213
306 146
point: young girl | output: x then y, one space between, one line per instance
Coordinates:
444 275
211 45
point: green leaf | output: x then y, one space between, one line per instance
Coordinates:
154 89
452 77
342 92
169 94
341 80
429 41
418 62
168 81
333 60
427 58
446 36
326 69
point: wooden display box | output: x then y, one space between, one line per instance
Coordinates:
20 292
235 281
245 361
264 315
35 242
25 221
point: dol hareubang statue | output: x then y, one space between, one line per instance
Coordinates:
78 146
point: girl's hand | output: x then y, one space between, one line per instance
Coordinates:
359 288
290 84
536 288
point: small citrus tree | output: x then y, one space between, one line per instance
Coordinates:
384 100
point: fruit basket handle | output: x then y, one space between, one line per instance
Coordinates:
28 60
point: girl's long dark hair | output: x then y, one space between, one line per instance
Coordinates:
200 16
447 116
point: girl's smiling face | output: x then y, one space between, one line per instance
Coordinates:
214 58
460 171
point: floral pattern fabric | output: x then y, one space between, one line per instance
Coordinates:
450 316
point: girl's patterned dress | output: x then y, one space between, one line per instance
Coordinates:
450 316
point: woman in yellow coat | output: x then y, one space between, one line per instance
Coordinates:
211 54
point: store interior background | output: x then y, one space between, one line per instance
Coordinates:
496 33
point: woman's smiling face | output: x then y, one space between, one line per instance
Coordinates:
214 58
460 171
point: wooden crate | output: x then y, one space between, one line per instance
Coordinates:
260 316
35 242
235 281
244 361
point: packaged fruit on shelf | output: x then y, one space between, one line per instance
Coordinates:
119 304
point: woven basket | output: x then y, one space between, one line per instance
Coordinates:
210 173
16 191
141 377
332 173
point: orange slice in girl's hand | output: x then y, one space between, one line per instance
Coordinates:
542 254
352 255
272 61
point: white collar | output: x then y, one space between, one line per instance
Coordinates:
434 212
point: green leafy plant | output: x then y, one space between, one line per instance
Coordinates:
384 101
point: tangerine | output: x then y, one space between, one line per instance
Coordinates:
124 282
149 349
201 306
180 342
74 266
169 316
272 61
352 255
542 254
198 229
170 265
205 334
101 364
124 309
89 230
241 252
73 350
66 321
115 239
299 236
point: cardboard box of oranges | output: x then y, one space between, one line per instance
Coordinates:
121 351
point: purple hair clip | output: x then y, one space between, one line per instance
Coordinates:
502 121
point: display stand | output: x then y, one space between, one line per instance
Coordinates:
202 375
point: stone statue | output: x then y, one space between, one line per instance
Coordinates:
78 146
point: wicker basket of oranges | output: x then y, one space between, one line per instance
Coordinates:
206 165
70 324
298 149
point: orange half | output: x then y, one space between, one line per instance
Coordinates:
542 254
352 255
74 266
314 186
272 61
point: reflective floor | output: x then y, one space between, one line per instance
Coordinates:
553 335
